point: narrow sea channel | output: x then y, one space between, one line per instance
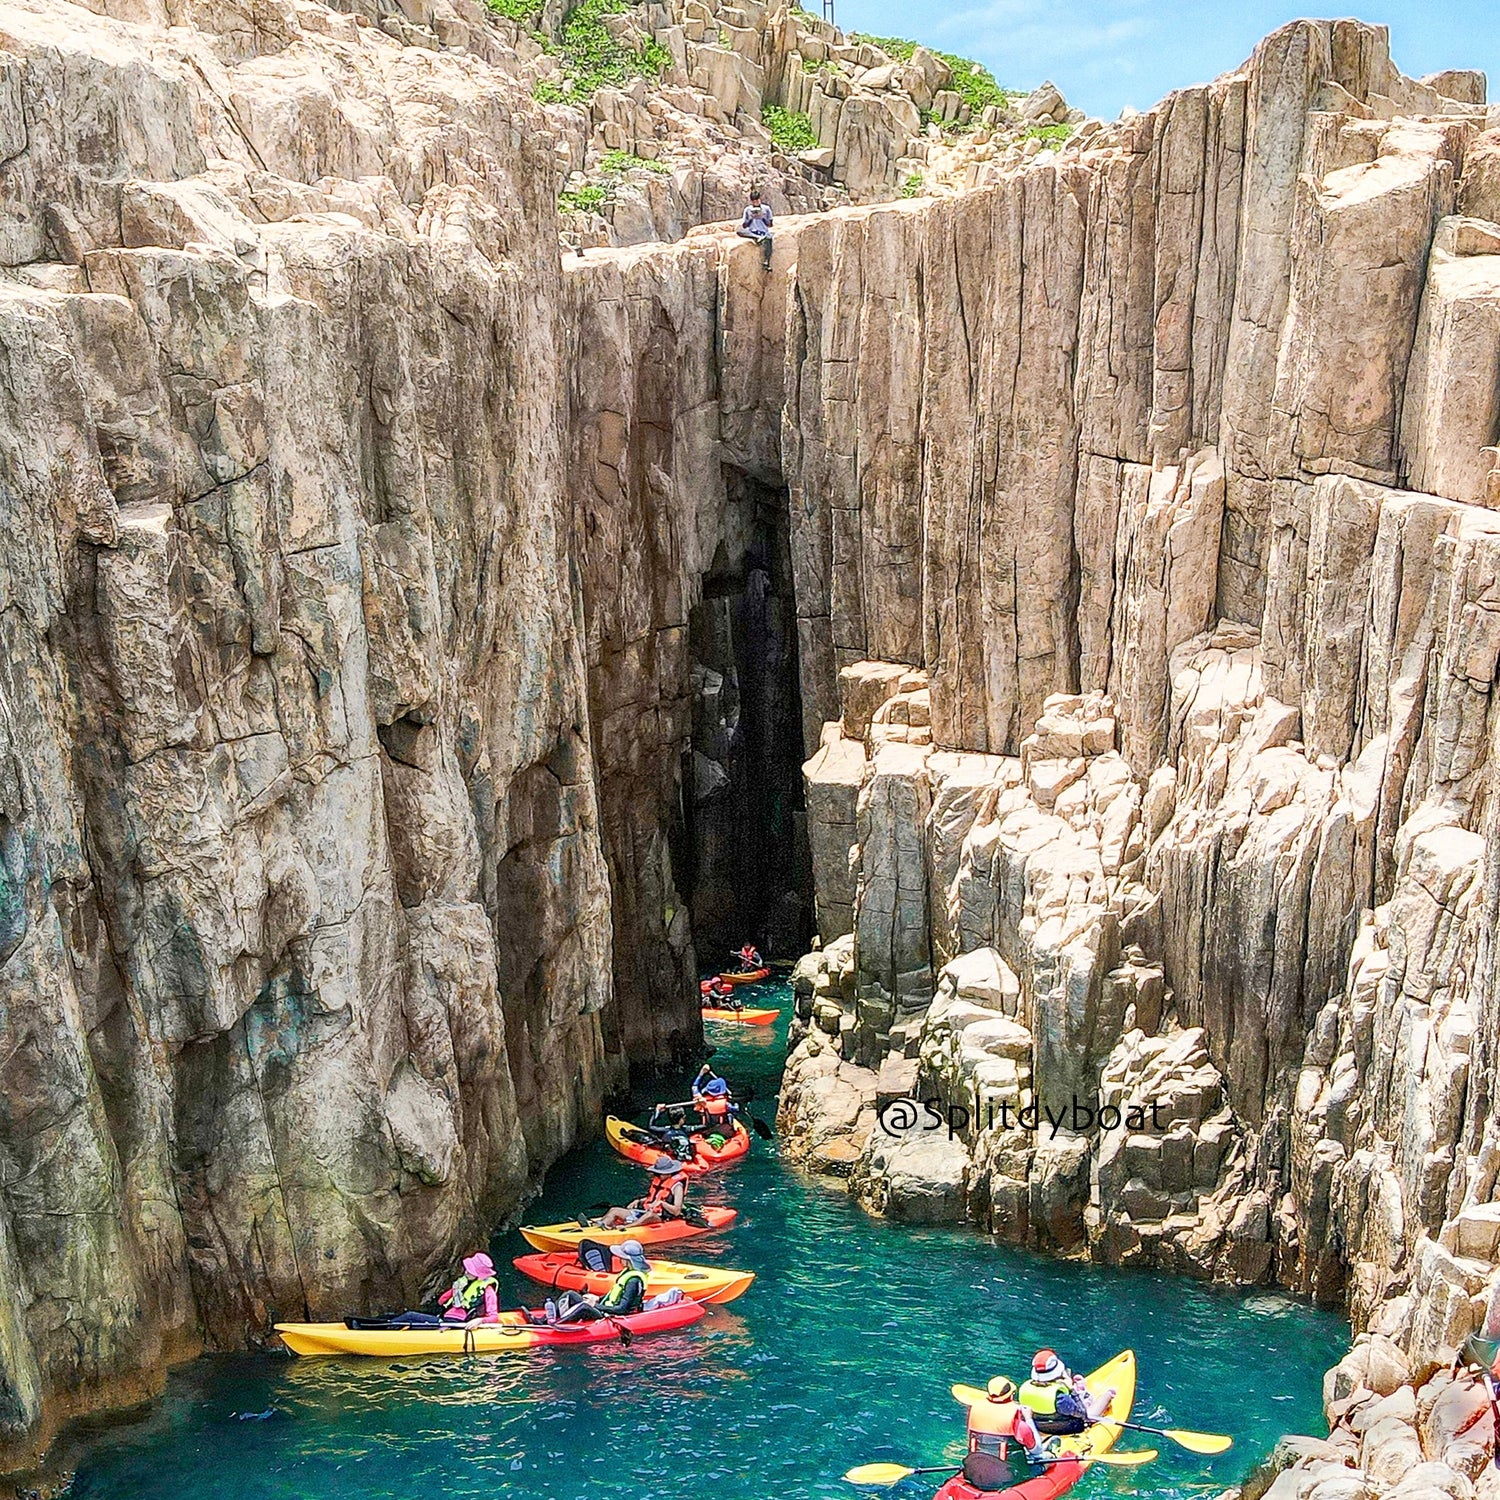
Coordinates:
842 1352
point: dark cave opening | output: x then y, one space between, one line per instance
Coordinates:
743 858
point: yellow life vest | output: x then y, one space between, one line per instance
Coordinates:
1041 1398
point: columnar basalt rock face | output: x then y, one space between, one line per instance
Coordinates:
1146 601
1225 455
306 927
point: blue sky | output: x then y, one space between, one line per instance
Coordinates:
1104 54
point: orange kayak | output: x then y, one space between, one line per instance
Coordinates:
745 1016
637 1145
567 1236
701 1283
745 976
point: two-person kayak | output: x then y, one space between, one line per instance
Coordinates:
513 1333
1058 1478
701 1283
642 1147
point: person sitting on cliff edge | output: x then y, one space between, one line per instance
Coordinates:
663 1198
1060 1402
756 225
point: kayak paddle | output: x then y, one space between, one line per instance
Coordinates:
890 1473
1194 1442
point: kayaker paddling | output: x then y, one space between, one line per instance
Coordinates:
1059 1401
714 1103
663 1199
994 1424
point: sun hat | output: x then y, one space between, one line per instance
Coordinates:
631 1252
665 1165
479 1265
1047 1366
1001 1388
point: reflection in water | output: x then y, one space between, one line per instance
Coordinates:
841 1353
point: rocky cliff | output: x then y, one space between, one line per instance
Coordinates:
401 624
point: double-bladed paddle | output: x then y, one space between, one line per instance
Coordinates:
891 1473
1194 1442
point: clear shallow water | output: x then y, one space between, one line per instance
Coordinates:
842 1352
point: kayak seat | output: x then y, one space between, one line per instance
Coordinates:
986 1472
593 1256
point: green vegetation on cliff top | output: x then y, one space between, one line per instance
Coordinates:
972 81
591 57
590 197
790 130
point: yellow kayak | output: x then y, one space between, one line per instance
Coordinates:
511 1335
1099 1438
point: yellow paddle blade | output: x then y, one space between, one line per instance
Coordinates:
967 1395
1199 1442
878 1473
1119 1460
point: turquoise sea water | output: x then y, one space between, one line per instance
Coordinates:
842 1352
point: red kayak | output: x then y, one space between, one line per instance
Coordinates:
638 1146
513 1332
701 1283
1058 1478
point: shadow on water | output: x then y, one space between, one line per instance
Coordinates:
842 1352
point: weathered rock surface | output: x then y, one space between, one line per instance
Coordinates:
358 560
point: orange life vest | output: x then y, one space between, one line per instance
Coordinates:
992 1422
660 1189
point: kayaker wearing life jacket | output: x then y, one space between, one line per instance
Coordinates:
720 995
993 1424
749 956
1059 1401
626 1296
713 1102
475 1296
663 1198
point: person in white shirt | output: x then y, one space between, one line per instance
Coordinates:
756 225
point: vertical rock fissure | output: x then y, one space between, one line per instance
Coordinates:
746 873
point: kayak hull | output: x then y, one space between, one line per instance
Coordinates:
1058 1479
566 1237
701 1283
621 1135
745 976
746 1017
511 1335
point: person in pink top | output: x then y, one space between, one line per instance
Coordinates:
475 1296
